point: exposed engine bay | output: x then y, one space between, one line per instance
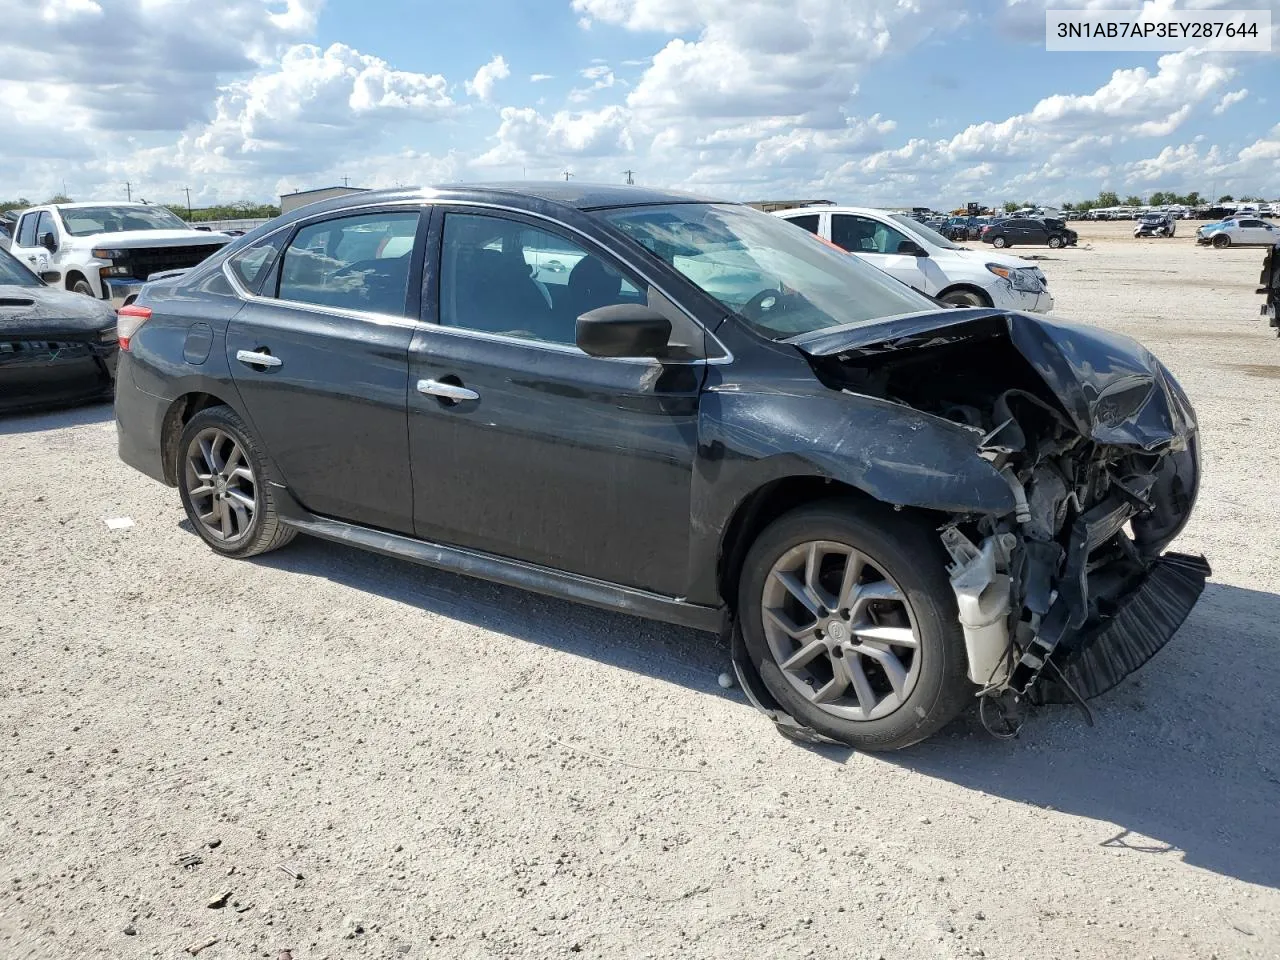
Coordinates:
1066 593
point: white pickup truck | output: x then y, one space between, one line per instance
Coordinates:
108 250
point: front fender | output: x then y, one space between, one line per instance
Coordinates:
893 453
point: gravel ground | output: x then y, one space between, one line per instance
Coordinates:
375 759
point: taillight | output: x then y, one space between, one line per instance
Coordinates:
128 321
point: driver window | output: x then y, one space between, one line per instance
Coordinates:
352 263
864 235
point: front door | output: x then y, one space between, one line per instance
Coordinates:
524 446
878 243
25 245
321 362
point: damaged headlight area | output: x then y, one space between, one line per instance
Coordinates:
1070 590
1022 279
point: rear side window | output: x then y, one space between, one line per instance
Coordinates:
252 264
352 263
45 225
809 222
27 231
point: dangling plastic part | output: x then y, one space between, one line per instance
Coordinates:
1001 715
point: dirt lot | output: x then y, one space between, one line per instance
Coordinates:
449 768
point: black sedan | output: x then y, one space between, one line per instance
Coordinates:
56 347
1030 232
690 411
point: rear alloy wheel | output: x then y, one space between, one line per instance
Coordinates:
1222 241
220 479
848 615
1055 243
965 298
1000 242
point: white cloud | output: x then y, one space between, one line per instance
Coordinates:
539 77
524 135
601 77
482 84
1229 100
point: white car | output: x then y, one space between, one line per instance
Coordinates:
926 260
108 250
1239 231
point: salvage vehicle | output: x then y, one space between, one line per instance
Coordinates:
1030 231
1238 232
927 261
1155 225
56 347
690 411
109 250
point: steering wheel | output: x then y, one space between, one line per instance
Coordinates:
762 303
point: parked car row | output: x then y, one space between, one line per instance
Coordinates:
892 507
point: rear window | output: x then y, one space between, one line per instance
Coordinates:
809 222
253 263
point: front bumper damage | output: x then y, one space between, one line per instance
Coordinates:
1068 590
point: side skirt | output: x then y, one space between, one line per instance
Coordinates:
513 573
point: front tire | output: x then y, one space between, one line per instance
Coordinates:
1055 243
83 287
850 620
221 473
1221 241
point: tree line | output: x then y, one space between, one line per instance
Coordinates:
241 210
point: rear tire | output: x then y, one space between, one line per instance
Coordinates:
889 631
1000 243
221 472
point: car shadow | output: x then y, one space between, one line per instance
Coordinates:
1183 759
56 418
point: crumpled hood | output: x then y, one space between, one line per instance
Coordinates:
40 311
1110 386
139 239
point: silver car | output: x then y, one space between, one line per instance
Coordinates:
1239 231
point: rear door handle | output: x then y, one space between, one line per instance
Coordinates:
447 391
255 358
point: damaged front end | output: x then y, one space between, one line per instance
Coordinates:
1071 590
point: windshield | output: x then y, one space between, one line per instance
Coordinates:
924 232
86 221
779 278
14 274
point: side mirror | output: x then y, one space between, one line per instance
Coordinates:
624 330
49 242
909 248
51 277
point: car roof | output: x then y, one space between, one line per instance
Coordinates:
581 196
801 211
102 203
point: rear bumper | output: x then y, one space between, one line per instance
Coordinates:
139 425
54 373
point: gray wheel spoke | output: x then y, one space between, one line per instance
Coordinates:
241 515
889 663
225 521
797 589
893 636
233 461
240 500
853 569
861 685
785 624
242 473
805 654
202 491
210 460
866 593
832 689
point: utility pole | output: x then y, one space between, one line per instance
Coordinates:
630 181
567 175
188 190
128 190
346 181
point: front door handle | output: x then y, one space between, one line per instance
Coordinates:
256 358
447 391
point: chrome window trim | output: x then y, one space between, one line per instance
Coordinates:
727 354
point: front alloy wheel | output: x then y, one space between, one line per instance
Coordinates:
840 630
849 618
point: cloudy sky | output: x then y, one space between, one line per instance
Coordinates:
874 101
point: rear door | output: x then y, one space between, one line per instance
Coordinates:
523 445
320 358
1253 230
878 243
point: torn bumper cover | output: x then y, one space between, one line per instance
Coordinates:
1070 590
